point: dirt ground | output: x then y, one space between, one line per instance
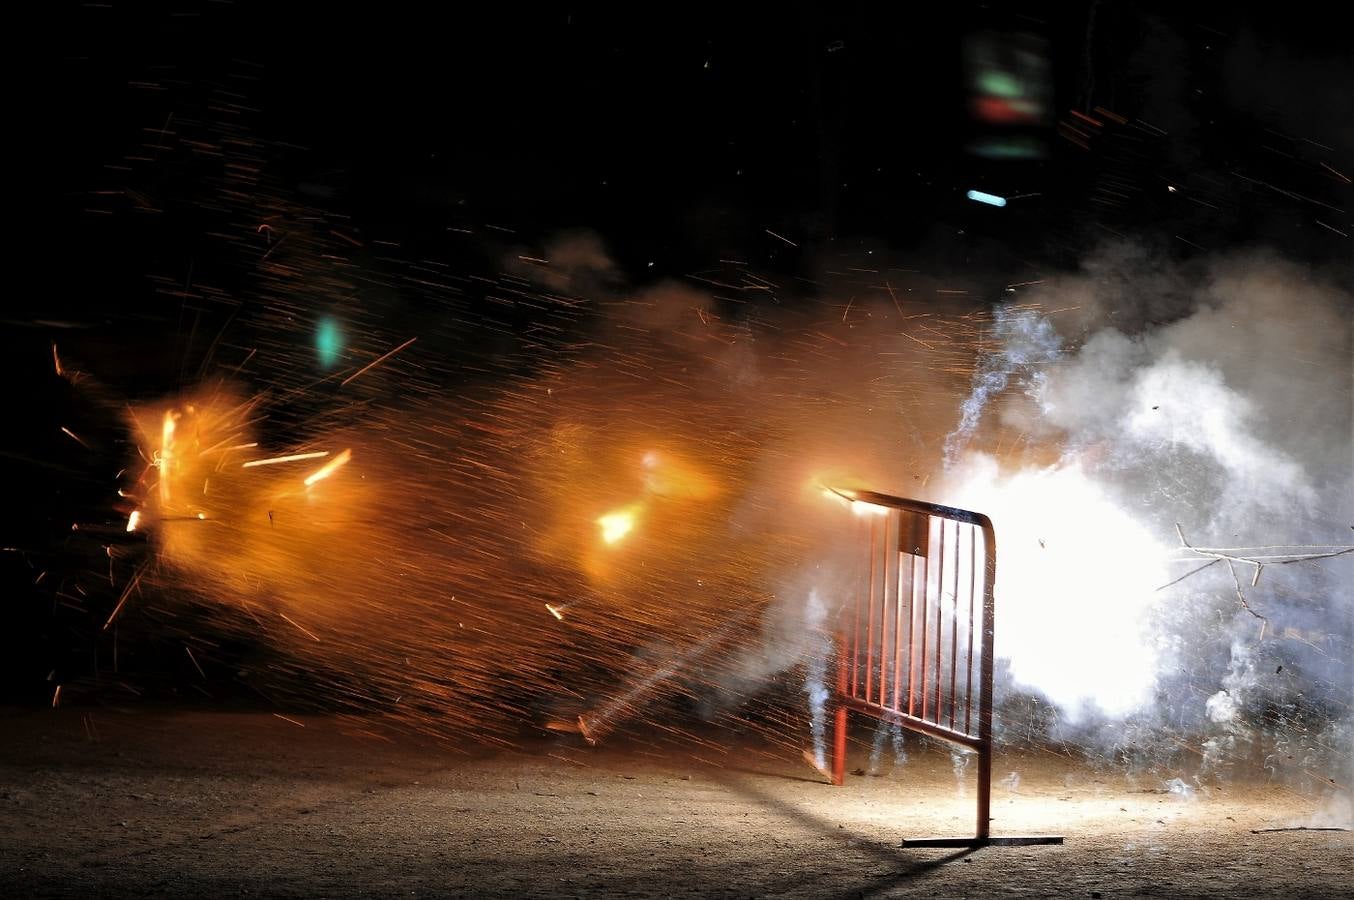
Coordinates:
104 803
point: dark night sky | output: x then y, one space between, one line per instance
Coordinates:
679 133
684 132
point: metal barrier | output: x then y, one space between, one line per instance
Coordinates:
915 646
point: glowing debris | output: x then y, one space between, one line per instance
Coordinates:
73 436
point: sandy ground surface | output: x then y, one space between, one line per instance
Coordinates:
103 803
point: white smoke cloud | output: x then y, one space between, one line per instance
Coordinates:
1255 380
1220 401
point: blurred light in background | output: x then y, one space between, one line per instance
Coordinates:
328 342
1009 94
989 199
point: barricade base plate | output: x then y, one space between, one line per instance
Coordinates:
1023 841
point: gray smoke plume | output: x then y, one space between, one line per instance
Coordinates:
1028 341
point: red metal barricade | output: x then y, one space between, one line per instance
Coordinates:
915 646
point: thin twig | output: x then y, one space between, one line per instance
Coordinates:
1240 597
1206 565
1234 555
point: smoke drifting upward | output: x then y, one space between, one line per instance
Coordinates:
526 536
1028 342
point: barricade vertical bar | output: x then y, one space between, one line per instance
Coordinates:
898 619
940 587
954 628
985 699
968 659
912 641
839 719
925 620
869 640
855 636
887 670
885 563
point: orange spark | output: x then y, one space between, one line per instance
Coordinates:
376 362
329 468
75 437
319 454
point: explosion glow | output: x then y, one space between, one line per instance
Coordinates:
616 525
1072 565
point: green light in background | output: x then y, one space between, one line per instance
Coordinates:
328 342
1000 84
1012 147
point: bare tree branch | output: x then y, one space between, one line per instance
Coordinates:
1248 556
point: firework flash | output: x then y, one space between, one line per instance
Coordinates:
405 571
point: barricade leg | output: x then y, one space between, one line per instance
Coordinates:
839 745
